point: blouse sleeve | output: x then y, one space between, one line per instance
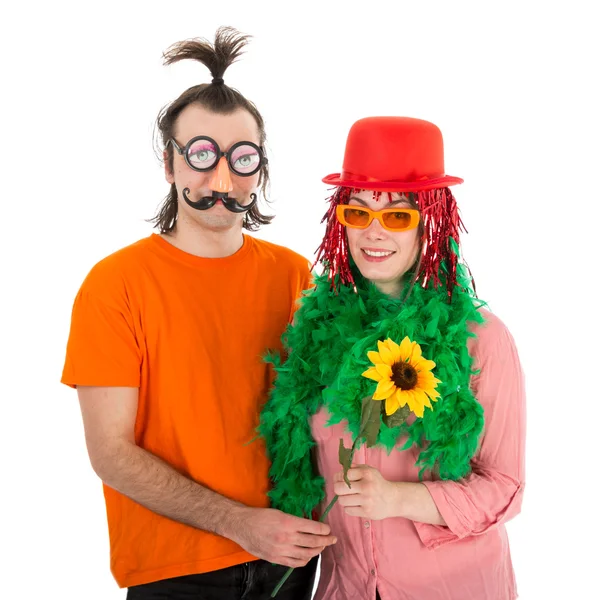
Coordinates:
493 492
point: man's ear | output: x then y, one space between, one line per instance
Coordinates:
168 173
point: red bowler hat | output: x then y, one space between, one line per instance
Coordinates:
393 154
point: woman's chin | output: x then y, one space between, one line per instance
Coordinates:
377 272
380 279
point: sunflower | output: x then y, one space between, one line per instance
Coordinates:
404 376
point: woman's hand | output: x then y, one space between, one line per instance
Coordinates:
371 495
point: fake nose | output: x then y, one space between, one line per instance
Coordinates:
221 179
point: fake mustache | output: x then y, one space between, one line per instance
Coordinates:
231 204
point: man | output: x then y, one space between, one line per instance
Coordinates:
165 351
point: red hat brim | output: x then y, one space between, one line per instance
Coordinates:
393 186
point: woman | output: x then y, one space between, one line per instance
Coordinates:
394 321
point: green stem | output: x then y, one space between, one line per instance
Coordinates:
289 571
325 513
329 507
281 582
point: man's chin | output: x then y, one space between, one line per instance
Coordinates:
218 220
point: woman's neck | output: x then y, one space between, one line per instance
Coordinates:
390 288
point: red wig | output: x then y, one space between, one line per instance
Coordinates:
440 225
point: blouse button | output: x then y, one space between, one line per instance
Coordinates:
372 571
367 524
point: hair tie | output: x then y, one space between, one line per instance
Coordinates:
218 81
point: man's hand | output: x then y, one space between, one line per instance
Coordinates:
371 495
280 538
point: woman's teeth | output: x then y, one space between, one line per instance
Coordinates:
376 254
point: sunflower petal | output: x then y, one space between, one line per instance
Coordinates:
416 354
425 379
426 386
374 357
384 370
394 349
424 365
373 374
423 398
405 348
385 353
433 394
384 390
401 396
418 406
386 384
391 405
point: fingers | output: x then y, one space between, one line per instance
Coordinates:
341 489
288 554
288 561
356 473
309 526
284 539
354 500
299 555
314 541
355 511
303 533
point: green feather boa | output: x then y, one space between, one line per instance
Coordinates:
328 345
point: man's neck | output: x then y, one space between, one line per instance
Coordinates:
205 243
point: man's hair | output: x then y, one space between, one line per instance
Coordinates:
216 97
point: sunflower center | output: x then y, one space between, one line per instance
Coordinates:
404 376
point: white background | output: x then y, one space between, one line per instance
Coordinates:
511 85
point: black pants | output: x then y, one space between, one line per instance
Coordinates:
248 581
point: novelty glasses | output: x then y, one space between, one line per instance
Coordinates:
202 153
392 219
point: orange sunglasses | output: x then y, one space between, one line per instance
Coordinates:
392 219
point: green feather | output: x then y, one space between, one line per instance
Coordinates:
328 345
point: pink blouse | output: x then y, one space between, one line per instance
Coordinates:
469 559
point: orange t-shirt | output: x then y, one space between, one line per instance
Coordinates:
190 332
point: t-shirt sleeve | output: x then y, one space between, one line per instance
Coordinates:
102 349
301 282
493 492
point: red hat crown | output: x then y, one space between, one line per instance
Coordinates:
393 154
